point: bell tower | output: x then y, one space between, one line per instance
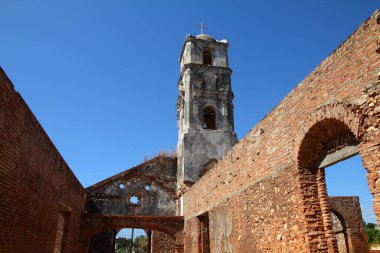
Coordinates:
204 107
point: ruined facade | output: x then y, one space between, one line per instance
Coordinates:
347 224
266 193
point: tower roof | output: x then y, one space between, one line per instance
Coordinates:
206 37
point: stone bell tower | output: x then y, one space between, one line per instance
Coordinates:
204 107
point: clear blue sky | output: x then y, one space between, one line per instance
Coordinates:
101 76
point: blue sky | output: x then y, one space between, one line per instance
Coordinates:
101 76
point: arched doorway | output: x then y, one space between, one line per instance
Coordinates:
128 240
339 228
131 240
97 228
325 142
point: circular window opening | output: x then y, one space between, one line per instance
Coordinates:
135 200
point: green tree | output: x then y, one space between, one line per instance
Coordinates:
373 235
123 245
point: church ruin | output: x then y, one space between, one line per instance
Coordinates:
264 193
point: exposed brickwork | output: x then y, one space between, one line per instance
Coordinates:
340 232
36 183
265 193
348 210
103 242
59 235
161 243
92 224
154 184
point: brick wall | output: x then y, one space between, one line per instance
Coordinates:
348 210
103 242
263 195
161 243
36 185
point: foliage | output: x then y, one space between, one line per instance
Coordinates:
373 235
124 245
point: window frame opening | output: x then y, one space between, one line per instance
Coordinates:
209 118
203 233
207 56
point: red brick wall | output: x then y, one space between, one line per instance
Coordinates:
262 197
349 209
161 243
35 182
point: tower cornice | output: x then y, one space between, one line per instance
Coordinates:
205 67
195 66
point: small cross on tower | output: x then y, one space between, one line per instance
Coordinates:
202 27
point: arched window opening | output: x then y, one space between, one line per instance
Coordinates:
209 118
132 240
207 56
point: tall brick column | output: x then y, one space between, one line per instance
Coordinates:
325 207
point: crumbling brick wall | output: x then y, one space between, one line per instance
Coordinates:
38 191
348 208
161 243
267 194
152 184
103 242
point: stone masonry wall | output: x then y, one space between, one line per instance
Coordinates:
36 184
255 195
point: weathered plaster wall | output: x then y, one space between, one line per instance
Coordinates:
203 86
36 183
151 185
201 146
192 52
262 193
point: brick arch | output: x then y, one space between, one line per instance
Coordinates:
335 112
95 223
343 223
347 209
328 129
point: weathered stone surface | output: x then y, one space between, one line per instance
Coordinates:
203 85
151 186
